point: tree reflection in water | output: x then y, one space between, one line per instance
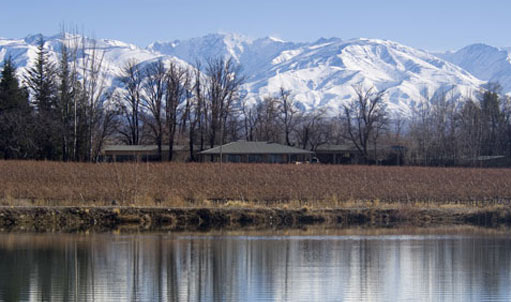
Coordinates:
247 268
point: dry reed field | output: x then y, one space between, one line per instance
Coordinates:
204 184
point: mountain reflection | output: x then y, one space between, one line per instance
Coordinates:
238 268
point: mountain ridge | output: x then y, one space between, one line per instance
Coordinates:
320 74
486 62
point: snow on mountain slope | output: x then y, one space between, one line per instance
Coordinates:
322 73
319 74
209 46
486 62
253 55
116 54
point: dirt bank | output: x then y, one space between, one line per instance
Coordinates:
101 219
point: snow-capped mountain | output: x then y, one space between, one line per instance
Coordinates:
486 62
320 74
253 55
114 54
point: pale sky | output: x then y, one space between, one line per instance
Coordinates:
432 25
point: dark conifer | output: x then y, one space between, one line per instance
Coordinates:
41 81
16 129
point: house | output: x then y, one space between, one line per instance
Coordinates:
256 152
336 154
121 153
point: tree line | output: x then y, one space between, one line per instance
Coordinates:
67 111
56 111
445 131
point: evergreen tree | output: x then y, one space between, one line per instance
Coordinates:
42 85
41 80
15 116
11 95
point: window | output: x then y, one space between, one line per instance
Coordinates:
255 158
150 157
234 158
123 158
275 158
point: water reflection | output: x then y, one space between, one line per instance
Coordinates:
240 268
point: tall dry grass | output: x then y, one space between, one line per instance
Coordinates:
178 184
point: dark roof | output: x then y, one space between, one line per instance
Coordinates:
243 147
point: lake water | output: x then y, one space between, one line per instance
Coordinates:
462 266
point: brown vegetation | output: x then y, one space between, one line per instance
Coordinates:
247 185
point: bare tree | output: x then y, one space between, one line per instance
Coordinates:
420 131
222 90
129 102
492 118
322 129
178 82
366 114
195 104
434 130
312 129
250 120
70 91
506 111
200 108
471 132
153 100
267 112
288 112
99 118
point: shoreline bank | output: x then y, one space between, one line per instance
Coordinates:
106 219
